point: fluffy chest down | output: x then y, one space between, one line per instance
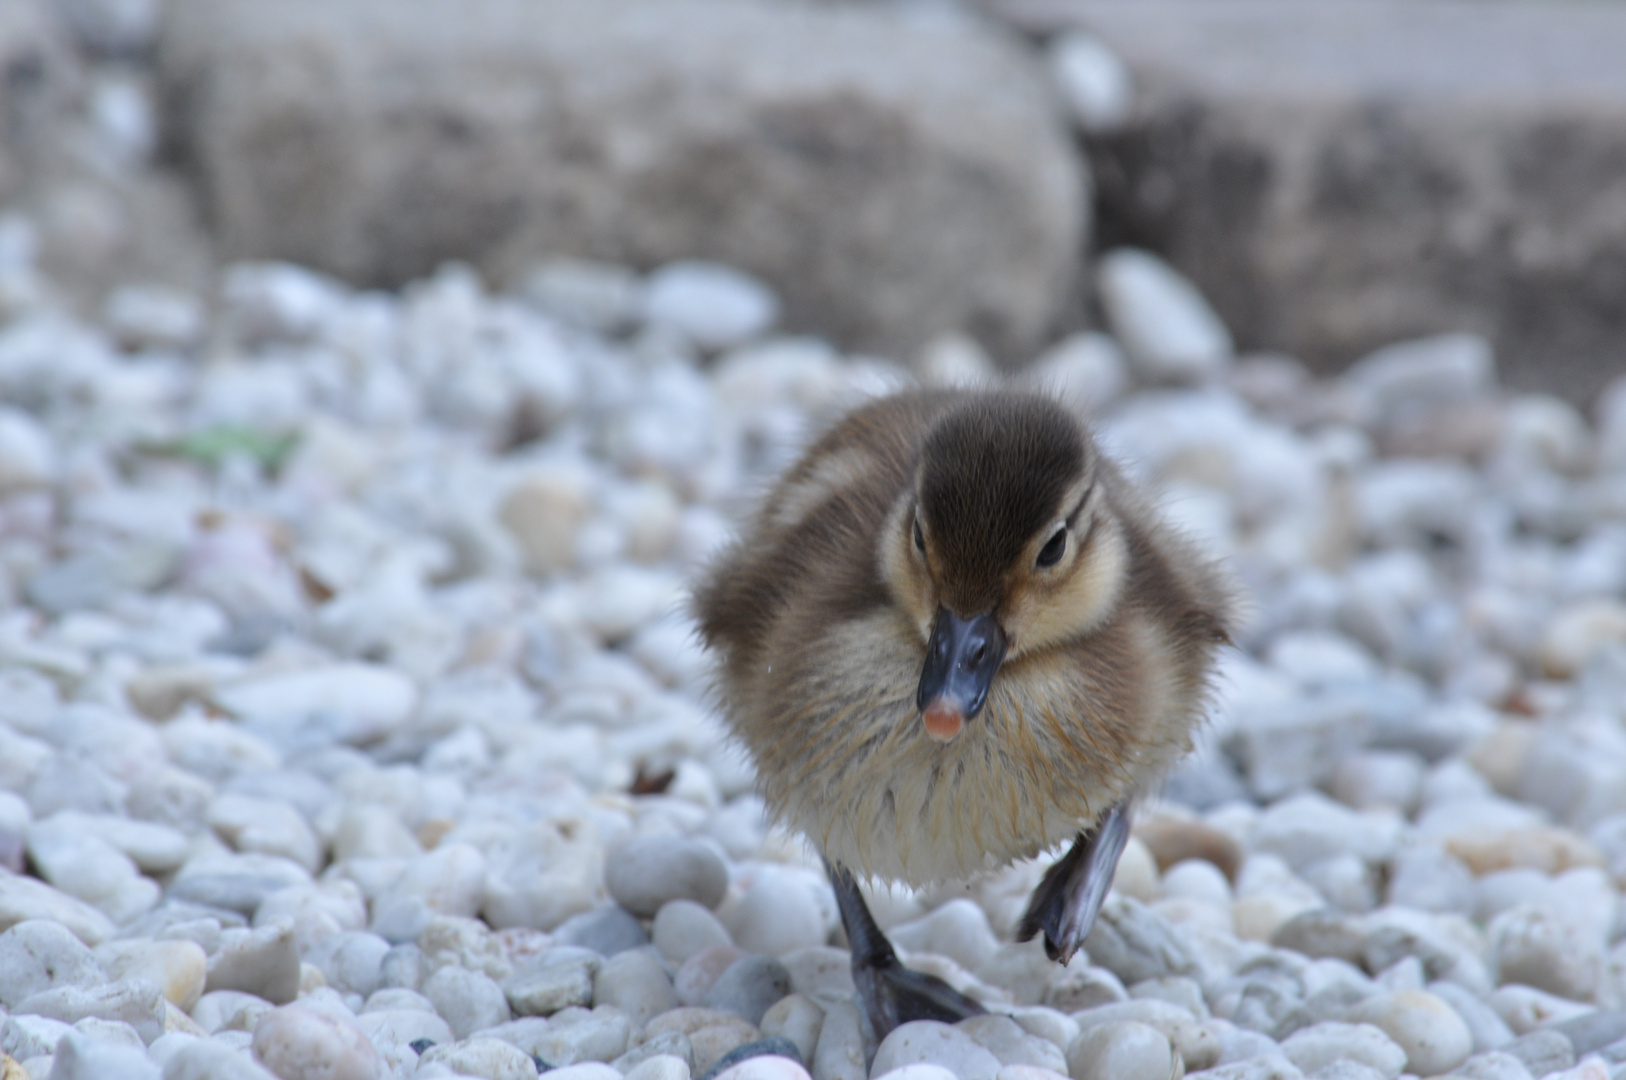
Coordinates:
842 756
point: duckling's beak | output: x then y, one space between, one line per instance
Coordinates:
961 659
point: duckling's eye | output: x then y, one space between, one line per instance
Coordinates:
920 538
1051 553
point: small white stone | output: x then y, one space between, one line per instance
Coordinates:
543 874
88 867
1006 1040
81 1058
278 300
372 832
40 955
776 914
489 1058
1321 658
1094 84
765 1067
1121 1050
1320 1045
28 459
351 960
919 1071
468 1000
153 316
370 701
1197 879
1378 778
154 848
266 826
637 984
1165 325
24 1036
618 599
1407 503
177 968
581 1036
1025 1072
1433 1036
1531 945
545 513
451 880
301 1043
205 1059
955 360
1310 827
647 872
131 1001
929 1042
660 1067
683 928
958 930
1086 371
1443 368
263 962
714 306
1546 432
1524 1008
596 295
586 1070
797 1018
229 1010
1579 632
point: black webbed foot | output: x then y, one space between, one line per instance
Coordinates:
1065 904
892 994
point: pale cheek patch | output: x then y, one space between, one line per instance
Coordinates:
1081 604
904 575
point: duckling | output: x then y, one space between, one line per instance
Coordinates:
953 637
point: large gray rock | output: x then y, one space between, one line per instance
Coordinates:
894 173
1339 174
40 78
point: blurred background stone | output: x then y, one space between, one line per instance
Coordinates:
1339 174
893 172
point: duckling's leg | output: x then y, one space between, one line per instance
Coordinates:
892 993
1067 901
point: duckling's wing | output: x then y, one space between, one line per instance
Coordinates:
1069 898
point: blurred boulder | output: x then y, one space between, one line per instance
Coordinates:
39 79
1339 174
893 173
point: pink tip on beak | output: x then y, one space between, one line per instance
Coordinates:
943 721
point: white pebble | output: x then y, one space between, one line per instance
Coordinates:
489 1058
300 1043
1165 325
1121 1050
932 1043
1320 1045
715 306
1433 1036
1094 84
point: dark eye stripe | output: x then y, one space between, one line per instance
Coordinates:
1072 518
920 539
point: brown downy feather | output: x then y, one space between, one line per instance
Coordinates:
820 614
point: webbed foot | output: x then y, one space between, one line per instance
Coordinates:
892 994
1065 904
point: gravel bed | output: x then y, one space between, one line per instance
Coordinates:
351 725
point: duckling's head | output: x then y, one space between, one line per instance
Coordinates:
1006 543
